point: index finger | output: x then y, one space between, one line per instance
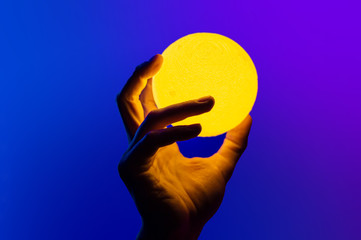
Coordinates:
129 105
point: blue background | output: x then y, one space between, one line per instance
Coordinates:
63 62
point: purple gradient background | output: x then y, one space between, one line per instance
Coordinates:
62 63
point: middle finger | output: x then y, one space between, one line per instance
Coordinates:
160 118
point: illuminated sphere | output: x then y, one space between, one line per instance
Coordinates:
203 64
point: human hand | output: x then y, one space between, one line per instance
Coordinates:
175 195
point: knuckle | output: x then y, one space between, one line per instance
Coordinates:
238 147
124 172
152 115
139 70
124 97
120 97
126 166
122 168
150 136
136 70
242 148
245 145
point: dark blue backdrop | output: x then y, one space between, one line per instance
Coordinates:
63 62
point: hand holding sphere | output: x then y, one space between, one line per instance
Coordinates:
175 195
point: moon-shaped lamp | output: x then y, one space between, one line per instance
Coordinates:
203 64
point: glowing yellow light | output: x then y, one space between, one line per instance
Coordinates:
203 64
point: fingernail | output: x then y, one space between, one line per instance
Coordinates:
206 99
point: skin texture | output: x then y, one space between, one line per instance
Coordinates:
175 195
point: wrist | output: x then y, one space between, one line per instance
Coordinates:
156 232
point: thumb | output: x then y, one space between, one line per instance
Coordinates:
233 146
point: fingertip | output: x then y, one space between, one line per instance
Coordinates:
159 56
192 131
243 128
213 101
212 98
155 63
248 120
197 127
158 59
208 101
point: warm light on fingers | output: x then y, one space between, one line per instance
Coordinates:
203 64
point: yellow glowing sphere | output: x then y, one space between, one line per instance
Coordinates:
203 64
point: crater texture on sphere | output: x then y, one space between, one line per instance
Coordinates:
203 64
